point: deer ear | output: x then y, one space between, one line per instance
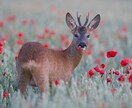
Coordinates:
70 21
94 22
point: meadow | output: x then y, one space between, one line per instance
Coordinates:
103 78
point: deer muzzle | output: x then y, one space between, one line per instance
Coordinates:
82 45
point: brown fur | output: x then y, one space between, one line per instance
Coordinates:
37 65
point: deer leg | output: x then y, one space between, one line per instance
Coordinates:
23 81
22 78
41 79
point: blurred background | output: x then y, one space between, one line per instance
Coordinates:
114 31
45 10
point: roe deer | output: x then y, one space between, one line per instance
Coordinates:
41 66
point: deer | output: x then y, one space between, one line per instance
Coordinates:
39 66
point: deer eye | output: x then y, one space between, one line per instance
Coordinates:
88 36
76 35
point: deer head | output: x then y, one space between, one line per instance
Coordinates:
81 32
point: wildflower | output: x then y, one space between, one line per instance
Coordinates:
67 43
19 42
130 67
5 94
24 22
56 82
127 71
102 72
103 105
46 45
46 30
111 54
117 73
124 62
16 57
88 52
40 36
124 28
11 18
130 78
63 38
102 54
96 60
90 73
1 43
20 34
97 69
113 90
121 78
53 33
102 65
1 49
1 23
109 80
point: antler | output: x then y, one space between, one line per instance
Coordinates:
87 18
78 18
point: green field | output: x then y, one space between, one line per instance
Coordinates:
109 49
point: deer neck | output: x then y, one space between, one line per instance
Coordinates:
74 55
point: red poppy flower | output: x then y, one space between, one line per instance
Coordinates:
111 54
102 54
125 62
1 49
63 38
19 42
67 43
96 60
11 18
20 34
5 94
46 30
53 33
130 78
46 45
121 78
124 28
109 80
1 23
16 57
56 82
1 43
24 22
117 73
103 105
102 65
40 36
127 71
102 72
88 52
113 91
97 69
90 73
130 67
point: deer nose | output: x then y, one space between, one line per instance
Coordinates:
82 45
